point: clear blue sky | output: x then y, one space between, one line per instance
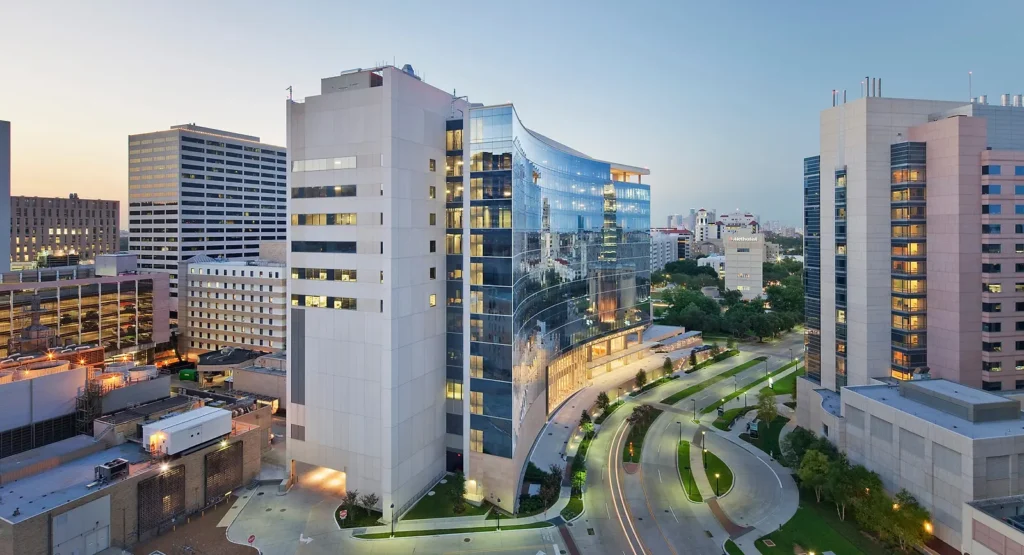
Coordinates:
719 99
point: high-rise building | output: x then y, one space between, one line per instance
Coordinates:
227 302
664 248
5 194
918 212
744 260
812 267
487 265
63 226
198 191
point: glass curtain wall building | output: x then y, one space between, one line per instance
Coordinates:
812 266
558 253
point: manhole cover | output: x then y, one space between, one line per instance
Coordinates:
562 551
283 510
590 531
666 510
768 543
467 540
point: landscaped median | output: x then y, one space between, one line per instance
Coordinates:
727 419
768 436
447 531
640 420
686 473
697 388
708 362
719 474
748 387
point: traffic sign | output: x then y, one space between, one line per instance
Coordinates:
342 514
252 538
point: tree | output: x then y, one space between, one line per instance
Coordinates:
603 401
667 365
350 500
840 485
794 445
457 492
552 485
864 482
588 429
760 326
814 472
584 418
578 479
693 359
732 297
641 379
730 343
908 522
767 410
369 501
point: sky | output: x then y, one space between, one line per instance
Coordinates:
719 99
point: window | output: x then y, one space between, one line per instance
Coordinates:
1018 267
433 300
991 189
1018 189
324 192
991 170
1020 307
991 366
995 346
991 248
991 327
321 164
991 288
433 165
324 246
1018 208
348 218
992 229
991 386
453 390
476 402
432 192
433 218
433 246
1019 248
988 268
1019 345
1020 383
382 276
991 209
433 273
1019 228
476 441
991 307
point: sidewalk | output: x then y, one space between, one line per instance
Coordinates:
426 524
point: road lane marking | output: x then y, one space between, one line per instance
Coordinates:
673 514
659 476
617 488
607 510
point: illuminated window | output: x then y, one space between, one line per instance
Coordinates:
433 300
840 316
432 192
453 390
476 366
433 218
476 402
476 441
433 165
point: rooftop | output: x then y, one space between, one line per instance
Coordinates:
64 483
972 398
144 411
232 262
227 356
262 370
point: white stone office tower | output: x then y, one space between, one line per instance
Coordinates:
5 194
198 191
366 284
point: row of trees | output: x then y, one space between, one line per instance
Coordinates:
693 310
899 521
686 274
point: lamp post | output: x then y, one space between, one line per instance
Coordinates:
766 367
498 513
686 484
703 434
705 459
392 520
680 422
717 476
791 356
694 409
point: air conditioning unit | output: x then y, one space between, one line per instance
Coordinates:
110 471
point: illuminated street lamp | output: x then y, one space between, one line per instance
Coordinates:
392 520
705 459
703 433
717 476
928 527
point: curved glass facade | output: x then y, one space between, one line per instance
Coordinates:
559 255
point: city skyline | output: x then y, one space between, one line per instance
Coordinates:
688 114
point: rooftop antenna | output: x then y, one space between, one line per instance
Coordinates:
970 84
289 89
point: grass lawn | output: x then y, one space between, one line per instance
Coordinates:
358 518
446 531
787 385
439 505
573 509
604 415
655 383
747 388
689 485
732 549
725 421
696 388
769 436
634 443
816 527
708 362
716 466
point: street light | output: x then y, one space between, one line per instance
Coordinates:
705 459
766 367
498 513
680 422
392 520
694 409
791 357
717 476
928 527
703 433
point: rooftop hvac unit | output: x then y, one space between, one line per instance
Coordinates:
110 471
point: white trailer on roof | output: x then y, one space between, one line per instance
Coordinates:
173 435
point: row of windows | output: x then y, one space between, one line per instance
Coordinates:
998 209
235 272
325 246
993 189
324 192
348 218
998 170
997 346
997 327
998 307
997 366
325 274
990 268
321 301
321 164
998 288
